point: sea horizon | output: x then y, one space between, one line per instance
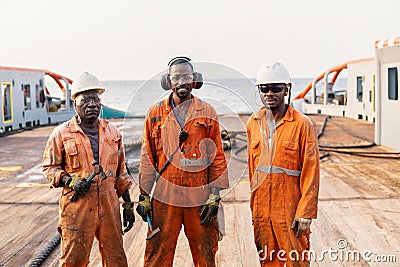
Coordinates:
227 95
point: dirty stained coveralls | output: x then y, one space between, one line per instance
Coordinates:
97 214
199 161
284 195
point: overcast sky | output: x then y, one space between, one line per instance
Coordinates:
130 40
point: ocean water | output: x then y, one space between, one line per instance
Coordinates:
228 96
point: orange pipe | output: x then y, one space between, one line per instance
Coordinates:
336 69
335 76
57 77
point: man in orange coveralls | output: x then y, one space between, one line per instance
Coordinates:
182 156
67 162
283 161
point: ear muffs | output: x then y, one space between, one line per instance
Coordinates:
165 82
197 81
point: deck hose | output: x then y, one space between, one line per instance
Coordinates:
237 151
322 130
46 251
334 148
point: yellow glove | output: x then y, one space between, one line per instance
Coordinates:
144 207
128 216
79 186
208 212
72 180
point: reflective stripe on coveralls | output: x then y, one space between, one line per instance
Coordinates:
277 169
281 197
97 214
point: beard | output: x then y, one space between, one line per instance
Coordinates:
183 91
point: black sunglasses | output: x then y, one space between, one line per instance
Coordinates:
272 87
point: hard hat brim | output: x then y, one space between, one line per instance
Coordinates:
273 82
100 91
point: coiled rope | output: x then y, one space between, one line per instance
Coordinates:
46 251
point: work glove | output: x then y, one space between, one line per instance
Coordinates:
208 212
302 224
144 207
79 185
72 180
128 216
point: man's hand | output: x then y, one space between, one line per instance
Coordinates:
81 187
208 212
128 216
302 224
70 180
144 207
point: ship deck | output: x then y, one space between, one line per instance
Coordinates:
359 207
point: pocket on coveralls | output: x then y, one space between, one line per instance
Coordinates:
156 134
256 151
112 150
71 154
291 154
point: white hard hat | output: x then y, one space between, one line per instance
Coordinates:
86 82
273 72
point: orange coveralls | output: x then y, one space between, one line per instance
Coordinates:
97 214
289 191
184 186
